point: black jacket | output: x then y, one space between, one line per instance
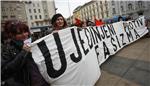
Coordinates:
18 67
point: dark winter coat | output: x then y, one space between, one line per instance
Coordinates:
18 67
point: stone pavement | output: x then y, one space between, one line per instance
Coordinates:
129 67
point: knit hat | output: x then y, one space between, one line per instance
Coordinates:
54 18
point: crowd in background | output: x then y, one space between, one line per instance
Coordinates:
17 65
83 24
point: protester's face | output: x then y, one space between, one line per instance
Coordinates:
84 24
120 19
60 22
22 36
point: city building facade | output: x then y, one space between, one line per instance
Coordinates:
36 14
12 10
39 14
106 9
92 10
128 8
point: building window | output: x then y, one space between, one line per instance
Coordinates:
130 6
37 23
34 10
121 2
42 23
106 2
140 4
39 10
31 17
114 11
46 16
12 16
3 9
100 2
35 16
30 11
113 2
5 17
7 9
122 9
45 11
40 16
32 24
14 9
106 8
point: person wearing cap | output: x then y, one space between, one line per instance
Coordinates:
58 22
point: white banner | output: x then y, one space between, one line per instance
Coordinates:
73 55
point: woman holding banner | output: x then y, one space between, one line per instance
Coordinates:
58 22
17 65
120 18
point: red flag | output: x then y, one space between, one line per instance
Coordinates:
77 21
98 22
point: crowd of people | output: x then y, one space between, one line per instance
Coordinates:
17 66
99 22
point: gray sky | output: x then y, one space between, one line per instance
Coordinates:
63 6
